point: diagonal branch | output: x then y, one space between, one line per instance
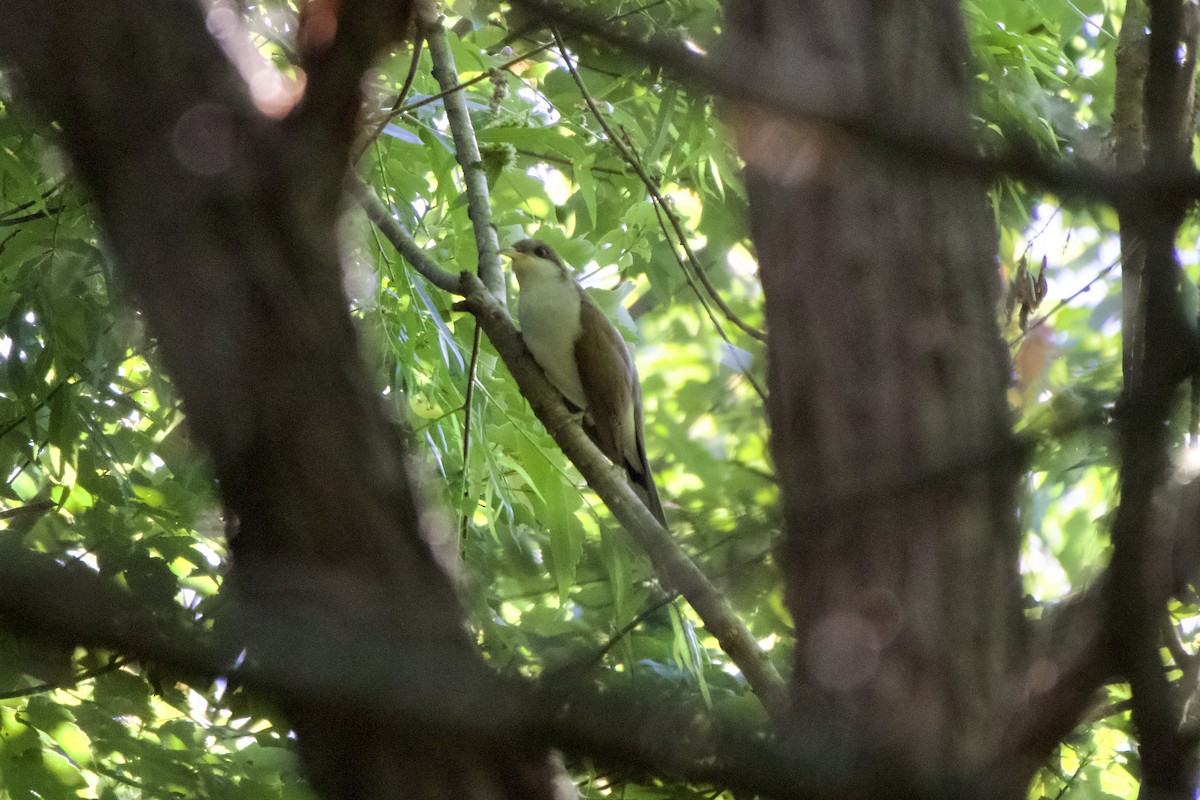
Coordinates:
466 149
675 570
395 232
635 163
380 678
1062 682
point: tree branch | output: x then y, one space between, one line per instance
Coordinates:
338 42
687 276
397 104
1136 594
1060 684
224 220
675 570
395 232
466 149
75 680
734 77
635 163
382 678
1129 151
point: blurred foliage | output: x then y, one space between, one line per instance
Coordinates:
1046 83
98 468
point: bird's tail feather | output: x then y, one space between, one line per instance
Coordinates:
641 478
642 481
643 487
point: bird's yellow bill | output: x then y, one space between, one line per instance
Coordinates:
520 261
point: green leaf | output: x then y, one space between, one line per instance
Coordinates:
662 124
614 550
124 693
566 535
587 187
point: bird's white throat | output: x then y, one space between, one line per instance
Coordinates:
548 310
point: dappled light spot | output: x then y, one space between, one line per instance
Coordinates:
318 25
1042 676
204 139
786 151
275 94
742 263
222 20
843 651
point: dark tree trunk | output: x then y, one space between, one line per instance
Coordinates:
1129 155
223 220
1130 143
890 427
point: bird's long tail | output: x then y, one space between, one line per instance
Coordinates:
638 471
642 481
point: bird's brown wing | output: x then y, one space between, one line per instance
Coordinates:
609 380
614 398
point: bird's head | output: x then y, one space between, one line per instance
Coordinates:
533 259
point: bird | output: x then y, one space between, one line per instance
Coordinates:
585 359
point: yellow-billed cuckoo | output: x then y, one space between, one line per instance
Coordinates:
586 359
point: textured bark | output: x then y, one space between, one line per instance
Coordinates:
1129 155
890 429
1163 355
1129 152
224 221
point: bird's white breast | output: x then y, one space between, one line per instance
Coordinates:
549 317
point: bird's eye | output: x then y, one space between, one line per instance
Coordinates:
541 252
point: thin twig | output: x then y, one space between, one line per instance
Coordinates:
458 87
573 668
398 234
418 47
537 24
35 507
630 157
50 686
1061 304
1040 231
9 222
505 66
663 600
687 276
915 150
12 425
466 149
1083 762
466 448
7 214
1171 641
566 162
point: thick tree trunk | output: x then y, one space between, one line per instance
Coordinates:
1129 155
890 429
224 222
1154 127
1130 142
